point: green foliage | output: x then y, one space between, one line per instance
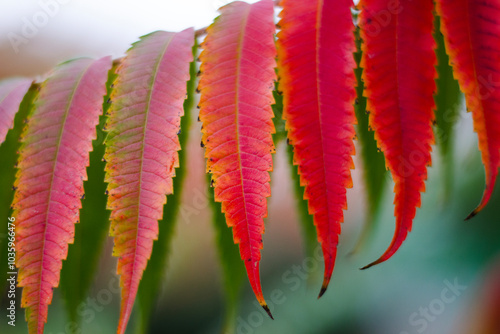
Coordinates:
448 104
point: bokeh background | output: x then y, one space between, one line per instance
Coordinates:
405 295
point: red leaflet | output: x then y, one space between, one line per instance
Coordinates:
52 167
472 38
316 66
398 61
12 92
141 151
235 108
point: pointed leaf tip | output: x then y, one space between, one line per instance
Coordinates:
374 263
323 290
472 214
397 240
268 311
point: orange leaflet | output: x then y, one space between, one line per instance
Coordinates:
398 61
52 167
236 87
316 68
471 31
141 149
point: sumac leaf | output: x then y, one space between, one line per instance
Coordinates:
398 60
81 265
236 87
153 276
141 149
316 69
471 32
52 167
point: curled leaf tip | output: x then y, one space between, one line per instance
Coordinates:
473 213
323 290
389 252
486 197
371 264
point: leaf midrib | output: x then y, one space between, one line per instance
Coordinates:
148 104
63 126
244 22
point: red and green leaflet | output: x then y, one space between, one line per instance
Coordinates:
52 167
141 149
472 38
316 69
236 87
12 92
399 72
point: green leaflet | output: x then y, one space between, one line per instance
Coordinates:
154 273
80 267
374 171
279 122
8 152
448 102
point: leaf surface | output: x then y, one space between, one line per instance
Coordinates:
154 274
398 60
52 167
12 92
141 149
471 31
80 267
316 70
236 87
